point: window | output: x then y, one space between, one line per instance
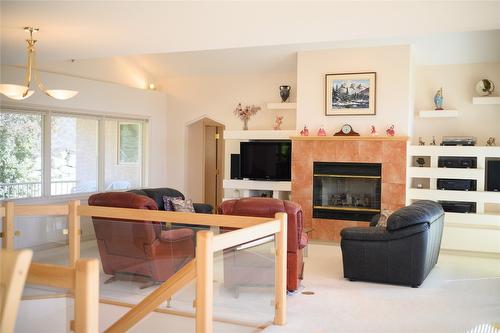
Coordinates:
20 155
74 155
46 154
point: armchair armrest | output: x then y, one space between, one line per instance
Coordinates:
203 208
175 235
381 234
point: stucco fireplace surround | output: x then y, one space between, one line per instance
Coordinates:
389 152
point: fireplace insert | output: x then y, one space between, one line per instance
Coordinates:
346 191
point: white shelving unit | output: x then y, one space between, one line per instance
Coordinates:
280 190
438 113
259 135
480 231
282 106
486 100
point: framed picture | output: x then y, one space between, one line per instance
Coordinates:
129 143
350 94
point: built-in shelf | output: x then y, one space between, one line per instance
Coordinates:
438 113
282 106
259 135
486 100
452 173
270 185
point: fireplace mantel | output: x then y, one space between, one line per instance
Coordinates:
350 138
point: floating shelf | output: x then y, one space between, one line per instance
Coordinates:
350 138
259 134
282 106
453 173
486 100
438 114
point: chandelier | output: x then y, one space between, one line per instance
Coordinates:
19 92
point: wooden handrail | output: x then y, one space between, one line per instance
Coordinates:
172 217
240 236
177 281
41 210
51 275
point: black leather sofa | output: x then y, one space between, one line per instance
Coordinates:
157 195
403 253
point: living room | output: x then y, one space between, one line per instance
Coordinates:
157 91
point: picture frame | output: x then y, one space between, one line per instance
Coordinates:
129 143
350 94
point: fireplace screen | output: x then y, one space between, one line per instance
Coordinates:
346 191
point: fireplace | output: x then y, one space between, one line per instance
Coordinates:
346 191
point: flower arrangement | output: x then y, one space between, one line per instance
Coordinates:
245 113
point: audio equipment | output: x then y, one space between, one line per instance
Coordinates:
458 141
458 206
493 174
457 162
235 166
457 184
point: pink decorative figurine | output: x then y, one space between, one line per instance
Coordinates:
390 131
305 131
321 131
373 131
277 122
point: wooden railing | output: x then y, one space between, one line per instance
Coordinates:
201 268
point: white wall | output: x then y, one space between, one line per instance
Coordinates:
191 98
393 67
104 98
458 82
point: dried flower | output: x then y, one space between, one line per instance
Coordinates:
247 112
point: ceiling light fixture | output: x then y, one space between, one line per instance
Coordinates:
19 92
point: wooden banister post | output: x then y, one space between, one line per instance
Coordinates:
8 227
280 271
87 296
204 281
74 232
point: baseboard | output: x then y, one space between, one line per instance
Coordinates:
493 255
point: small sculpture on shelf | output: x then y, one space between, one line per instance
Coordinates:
420 141
373 131
485 87
390 131
433 142
491 141
420 161
285 93
438 99
305 131
277 123
321 131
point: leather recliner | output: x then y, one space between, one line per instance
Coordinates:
238 267
139 247
402 253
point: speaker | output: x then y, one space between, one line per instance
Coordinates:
235 166
458 206
457 162
493 175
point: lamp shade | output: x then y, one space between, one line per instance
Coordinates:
15 91
61 94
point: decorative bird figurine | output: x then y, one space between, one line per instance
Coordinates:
373 131
438 99
420 141
390 131
305 131
277 123
321 131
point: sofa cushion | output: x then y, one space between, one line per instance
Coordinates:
183 205
167 201
157 195
383 217
424 211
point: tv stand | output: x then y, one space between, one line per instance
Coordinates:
236 188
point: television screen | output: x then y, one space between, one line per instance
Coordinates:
266 160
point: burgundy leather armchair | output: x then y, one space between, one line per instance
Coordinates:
139 247
236 266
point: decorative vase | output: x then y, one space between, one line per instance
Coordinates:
438 99
285 92
245 124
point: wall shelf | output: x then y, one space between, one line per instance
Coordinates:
438 113
282 106
259 135
486 100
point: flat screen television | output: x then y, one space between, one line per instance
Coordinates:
266 160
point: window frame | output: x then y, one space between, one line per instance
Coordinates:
47 114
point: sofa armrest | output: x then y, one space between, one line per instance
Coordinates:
381 234
175 235
203 208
